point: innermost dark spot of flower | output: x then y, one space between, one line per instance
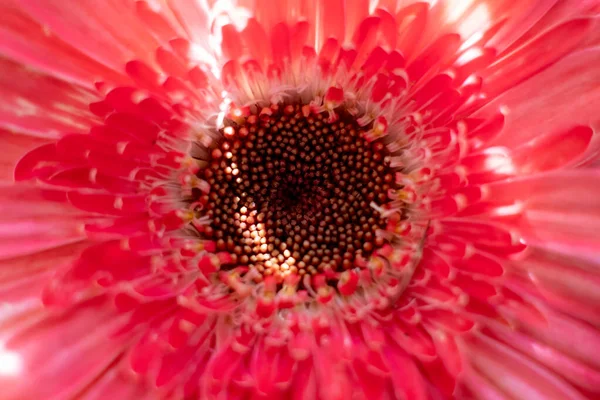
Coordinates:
291 194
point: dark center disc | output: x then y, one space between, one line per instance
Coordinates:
291 194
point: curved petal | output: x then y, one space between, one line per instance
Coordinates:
536 107
45 352
39 105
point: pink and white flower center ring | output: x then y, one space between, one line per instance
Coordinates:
299 199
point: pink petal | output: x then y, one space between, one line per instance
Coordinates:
559 210
28 41
14 147
515 375
569 99
95 30
32 221
48 348
509 70
564 364
39 105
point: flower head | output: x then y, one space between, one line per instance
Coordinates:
313 200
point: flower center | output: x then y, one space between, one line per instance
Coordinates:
290 193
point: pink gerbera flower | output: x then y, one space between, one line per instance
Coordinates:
281 199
